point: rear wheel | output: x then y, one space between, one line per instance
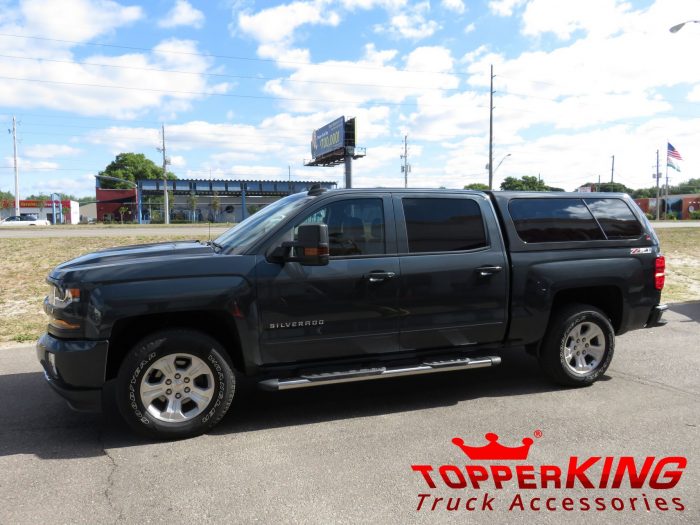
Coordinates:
175 384
578 347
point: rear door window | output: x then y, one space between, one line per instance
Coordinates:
443 225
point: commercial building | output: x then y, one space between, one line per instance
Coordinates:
680 206
194 200
57 212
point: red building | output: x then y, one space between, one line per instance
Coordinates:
680 205
110 201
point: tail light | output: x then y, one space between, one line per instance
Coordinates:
660 272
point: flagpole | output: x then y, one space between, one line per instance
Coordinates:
656 176
666 201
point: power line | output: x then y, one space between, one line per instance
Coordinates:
232 95
224 75
226 57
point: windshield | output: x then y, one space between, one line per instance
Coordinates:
246 233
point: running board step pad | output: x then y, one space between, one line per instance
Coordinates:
365 374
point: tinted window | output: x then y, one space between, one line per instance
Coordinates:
443 225
355 226
616 218
554 220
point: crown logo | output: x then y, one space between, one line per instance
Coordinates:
494 450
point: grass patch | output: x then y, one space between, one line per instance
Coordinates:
680 246
25 263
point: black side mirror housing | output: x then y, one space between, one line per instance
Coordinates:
311 248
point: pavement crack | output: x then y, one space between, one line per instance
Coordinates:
652 383
110 480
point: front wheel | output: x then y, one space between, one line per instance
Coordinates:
175 384
578 346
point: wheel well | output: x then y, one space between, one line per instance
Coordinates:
605 298
127 332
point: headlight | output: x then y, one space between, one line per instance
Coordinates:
62 297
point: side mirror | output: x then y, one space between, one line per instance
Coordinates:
310 250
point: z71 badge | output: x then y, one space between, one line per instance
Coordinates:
637 251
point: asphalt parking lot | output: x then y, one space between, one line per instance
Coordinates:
343 453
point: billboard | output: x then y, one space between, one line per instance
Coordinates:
328 138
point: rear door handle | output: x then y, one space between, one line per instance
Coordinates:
379 276
485 271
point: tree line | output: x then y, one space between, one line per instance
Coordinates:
531 183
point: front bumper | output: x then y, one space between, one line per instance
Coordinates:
655 316
75 369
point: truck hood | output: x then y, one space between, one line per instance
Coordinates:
138 251
137 262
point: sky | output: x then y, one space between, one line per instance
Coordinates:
241 85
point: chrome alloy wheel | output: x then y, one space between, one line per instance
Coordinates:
177 388
584 348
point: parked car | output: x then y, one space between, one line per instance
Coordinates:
337 286
24 220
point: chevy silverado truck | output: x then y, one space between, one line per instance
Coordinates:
350 285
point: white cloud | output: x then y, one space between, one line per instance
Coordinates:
372 4
694 95
277 24
273 28
80 186
121 138
596 17
505 7
470 28
182 14
454 5
411 23
49 151
178 161
346 85
84 89
25 164
80 20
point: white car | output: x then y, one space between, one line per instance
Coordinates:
27 220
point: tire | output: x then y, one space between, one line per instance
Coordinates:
578 347
175 384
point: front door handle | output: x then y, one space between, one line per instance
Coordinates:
485 271
379 276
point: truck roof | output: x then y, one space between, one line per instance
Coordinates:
496 194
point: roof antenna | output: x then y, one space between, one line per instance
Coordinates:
316 189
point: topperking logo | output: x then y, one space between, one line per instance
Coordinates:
475 486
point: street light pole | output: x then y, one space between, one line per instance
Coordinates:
678 27
499 164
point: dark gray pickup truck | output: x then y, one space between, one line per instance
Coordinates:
350 285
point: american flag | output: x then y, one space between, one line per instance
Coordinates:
673 153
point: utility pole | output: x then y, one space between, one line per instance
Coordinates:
656 176
14 146
166 203
406 166
612 174
598 188
289 171
491 132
